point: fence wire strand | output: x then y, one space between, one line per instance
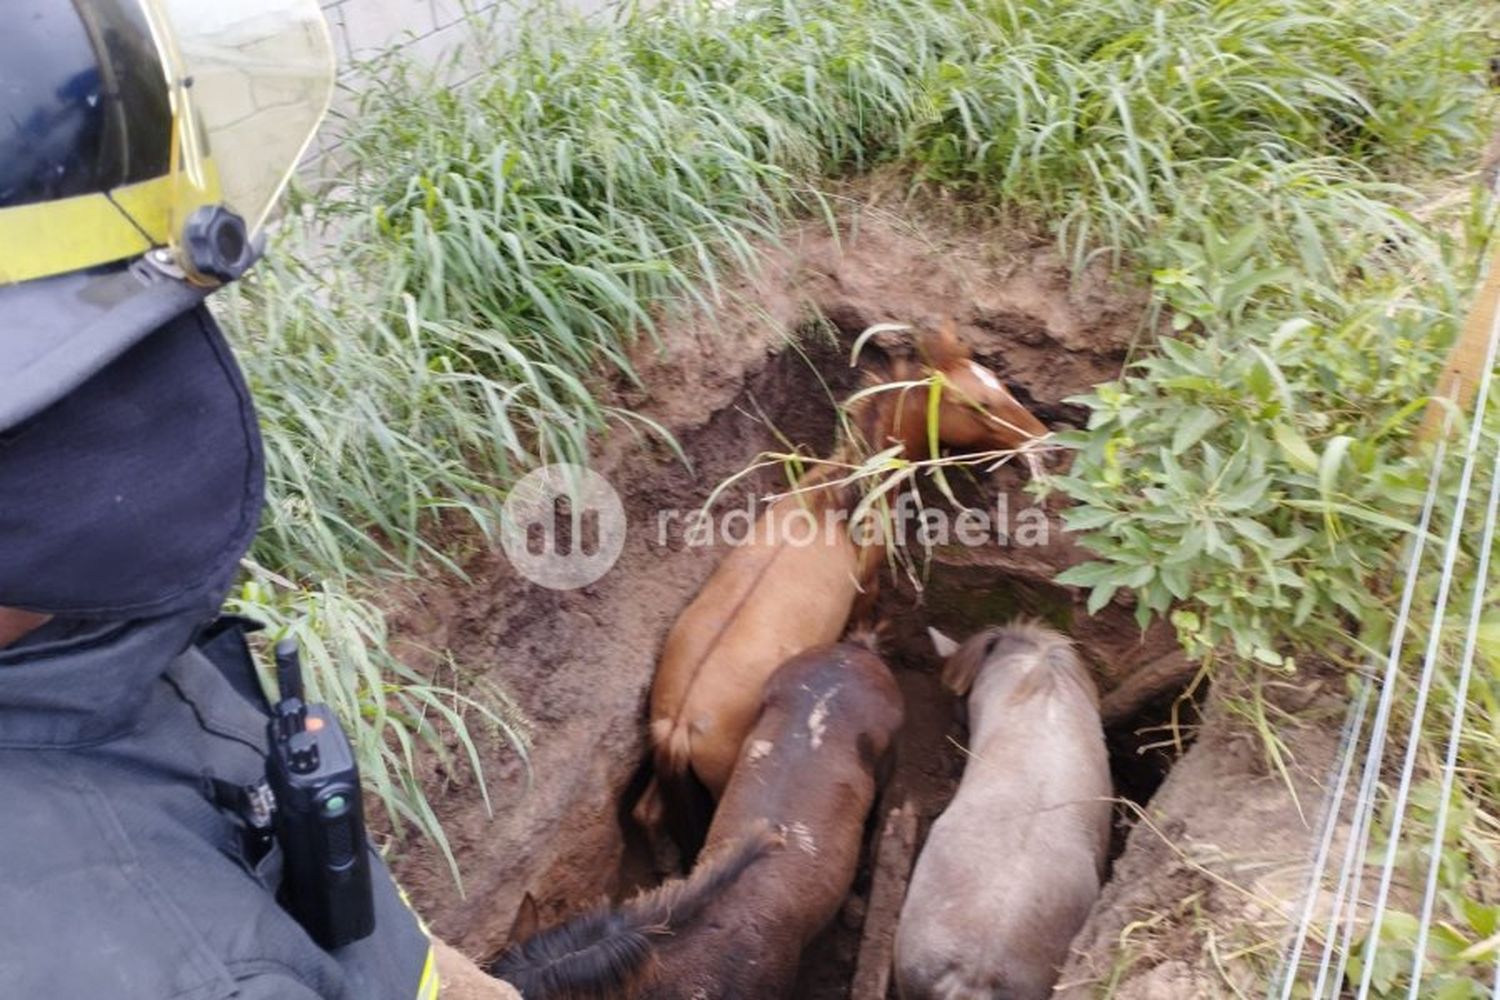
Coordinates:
1347 910
1455 729
1429 666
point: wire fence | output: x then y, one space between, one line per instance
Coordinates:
1344 934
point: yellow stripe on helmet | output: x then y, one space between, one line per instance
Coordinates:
69 234
86 230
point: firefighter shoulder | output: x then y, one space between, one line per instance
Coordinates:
143 144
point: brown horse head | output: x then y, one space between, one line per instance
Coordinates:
975 410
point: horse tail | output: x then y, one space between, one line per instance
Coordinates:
864 615
680 902
672 743
609 953
684 806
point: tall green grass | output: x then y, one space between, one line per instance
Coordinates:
456 307
517 235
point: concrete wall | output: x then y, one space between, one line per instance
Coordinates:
427 31
426 28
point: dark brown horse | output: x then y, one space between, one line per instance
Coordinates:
736 928
608 954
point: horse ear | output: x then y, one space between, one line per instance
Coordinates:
945 646
527 921
944 347
963 662
905 370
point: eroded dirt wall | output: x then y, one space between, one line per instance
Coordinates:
579 663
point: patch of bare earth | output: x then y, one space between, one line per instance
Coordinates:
1214 871
763 373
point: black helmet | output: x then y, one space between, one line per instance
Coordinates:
115 212
84 107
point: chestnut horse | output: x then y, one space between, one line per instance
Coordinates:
793 585
736 928
1013 865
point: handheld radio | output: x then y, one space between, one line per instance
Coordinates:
319 814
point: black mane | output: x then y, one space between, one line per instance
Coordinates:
608 953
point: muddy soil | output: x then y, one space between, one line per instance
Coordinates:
762 373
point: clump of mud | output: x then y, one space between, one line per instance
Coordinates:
761 374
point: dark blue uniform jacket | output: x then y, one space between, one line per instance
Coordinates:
121 878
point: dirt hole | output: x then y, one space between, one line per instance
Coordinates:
580 663
793 399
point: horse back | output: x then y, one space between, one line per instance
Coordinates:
1011 869
808 768
827 719
763 604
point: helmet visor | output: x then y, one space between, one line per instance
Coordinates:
120 118
251 80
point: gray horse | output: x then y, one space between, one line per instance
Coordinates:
1013 865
